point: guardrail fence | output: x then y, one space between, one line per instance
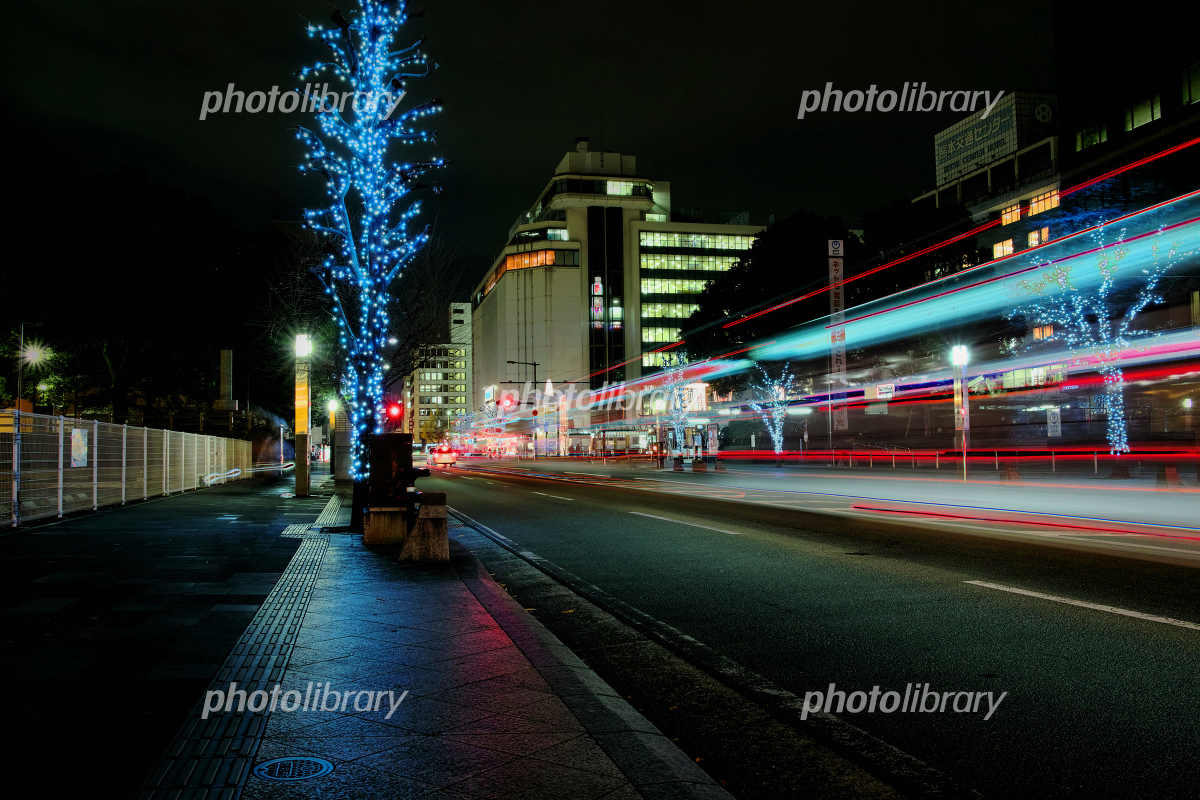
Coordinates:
65 464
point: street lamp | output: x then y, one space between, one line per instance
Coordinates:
960 357
304 349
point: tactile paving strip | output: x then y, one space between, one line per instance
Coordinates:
331 516
211 758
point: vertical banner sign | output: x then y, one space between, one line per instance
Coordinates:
962 411
1054 422
303 397
837 334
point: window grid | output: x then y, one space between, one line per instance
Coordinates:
705 241
1001 249
668 310
672 285
1043 202
681 261
659 335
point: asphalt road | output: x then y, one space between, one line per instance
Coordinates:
1099 703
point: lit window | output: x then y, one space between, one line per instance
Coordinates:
682 261
556 234
1142 113
672 286
1043 332
708 241
668 310
1043 202
1001 249
654 216
1010 215
619 187
1040 236
1090 137
660 335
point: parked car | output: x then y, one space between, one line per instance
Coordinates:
443 456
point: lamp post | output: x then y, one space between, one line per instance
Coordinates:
960 357
303 412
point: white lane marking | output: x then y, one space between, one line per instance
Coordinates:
556 496
1084 604
681 522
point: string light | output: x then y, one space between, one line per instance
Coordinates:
1092 321
770 401
370 213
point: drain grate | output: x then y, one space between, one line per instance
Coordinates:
293 768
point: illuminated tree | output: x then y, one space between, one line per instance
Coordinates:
371 212
1092 320
770 401
678 396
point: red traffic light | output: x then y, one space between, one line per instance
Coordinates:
535 412
394 410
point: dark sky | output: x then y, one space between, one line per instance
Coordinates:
106 97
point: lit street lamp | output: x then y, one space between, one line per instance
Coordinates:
960 357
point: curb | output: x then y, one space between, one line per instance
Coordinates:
648 758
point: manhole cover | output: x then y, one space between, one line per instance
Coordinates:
295 768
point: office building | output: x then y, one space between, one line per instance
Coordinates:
594 277
438 390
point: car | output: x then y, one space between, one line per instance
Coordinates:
443 456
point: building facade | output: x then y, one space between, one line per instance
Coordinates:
438 390
595 276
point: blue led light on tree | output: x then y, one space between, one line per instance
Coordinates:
370 213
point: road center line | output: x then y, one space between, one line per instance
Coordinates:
692 524
1083 604
556 497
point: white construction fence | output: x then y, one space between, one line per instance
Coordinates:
66 465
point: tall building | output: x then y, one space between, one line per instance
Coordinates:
439 387
595 276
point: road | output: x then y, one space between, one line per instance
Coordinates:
1101 663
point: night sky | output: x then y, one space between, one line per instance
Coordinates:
105 101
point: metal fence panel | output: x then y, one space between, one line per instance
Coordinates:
177 458
109 460
78 455
69 465
38 467
154 462
134 466
7 425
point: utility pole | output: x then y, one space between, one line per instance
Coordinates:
16 451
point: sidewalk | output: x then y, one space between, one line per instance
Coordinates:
496 705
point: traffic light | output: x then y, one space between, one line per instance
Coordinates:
535 412
394 410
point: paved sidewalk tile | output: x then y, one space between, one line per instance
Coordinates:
485 713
